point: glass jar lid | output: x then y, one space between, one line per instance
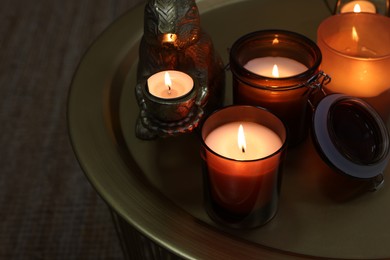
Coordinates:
351 136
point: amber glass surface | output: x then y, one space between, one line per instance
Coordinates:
242 193
356 53
286 97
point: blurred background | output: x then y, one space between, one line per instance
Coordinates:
48 209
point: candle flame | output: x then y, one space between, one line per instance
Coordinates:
168 82
169 38
241 139
357 9
355 36
275 71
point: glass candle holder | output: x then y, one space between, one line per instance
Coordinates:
252 60
169 95
242 179
356 53
363 6
168 105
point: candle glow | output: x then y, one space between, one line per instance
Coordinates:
169 96
356 53
256 82
242 163
355 36
357 9
169 38
241 138
275 71
275 67
358 6
168 82
230 140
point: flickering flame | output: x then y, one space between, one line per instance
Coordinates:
169 38
275 71
168 82
355 36
275 41
241 139
357 9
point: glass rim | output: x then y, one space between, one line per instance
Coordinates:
239 44
280 150
322 27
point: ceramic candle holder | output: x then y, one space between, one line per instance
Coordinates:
285 94
242 185
356 53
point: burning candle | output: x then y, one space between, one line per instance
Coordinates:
242 158
170 95
231 141
356 53
169 38
358 6
271 69
275 67
170 84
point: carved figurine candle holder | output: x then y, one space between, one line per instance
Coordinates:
174 41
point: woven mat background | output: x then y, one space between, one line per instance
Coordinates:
48 210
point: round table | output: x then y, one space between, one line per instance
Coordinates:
154 188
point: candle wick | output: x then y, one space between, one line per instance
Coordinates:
243 149
169 89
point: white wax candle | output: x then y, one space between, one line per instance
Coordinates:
264 65
364 6
180 84
260 141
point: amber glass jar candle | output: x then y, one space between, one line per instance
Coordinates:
356 53
283 89
243 148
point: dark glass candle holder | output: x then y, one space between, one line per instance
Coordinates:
285 94
169 104
169 108
242 185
